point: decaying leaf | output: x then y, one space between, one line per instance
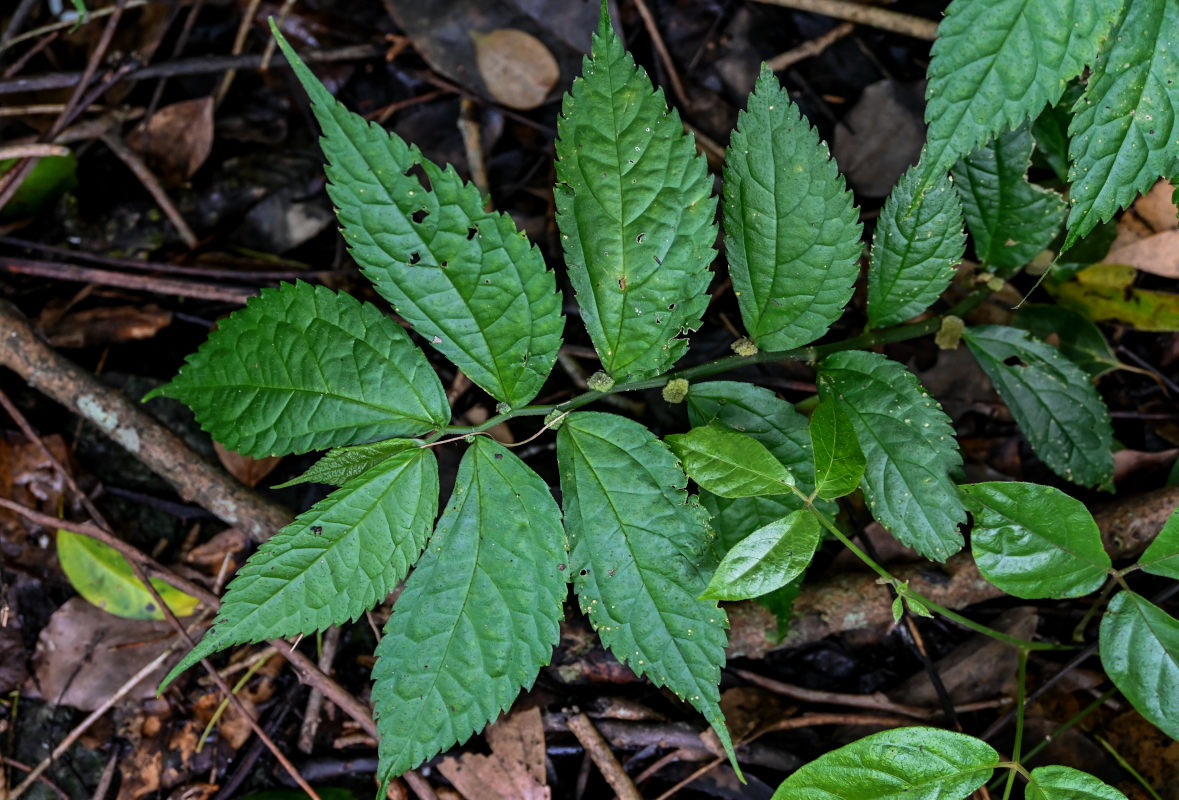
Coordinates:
517 68
249 471
177 139
514 770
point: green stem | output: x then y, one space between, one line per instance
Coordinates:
1124 764
1020 695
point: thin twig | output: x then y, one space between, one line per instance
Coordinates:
876 701
872 16
811 48
95 13
146 177
673 75
239 44
33 150
581 727
314 709
146 283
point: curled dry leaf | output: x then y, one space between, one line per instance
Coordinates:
249 471
516 67
514 770
97 326
177 139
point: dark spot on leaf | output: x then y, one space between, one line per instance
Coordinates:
150 607
445 264
658 260
472 233
419 215
317 529
415 258
585 572
642 237
671 307
499 456
1014 361
416 171
560 568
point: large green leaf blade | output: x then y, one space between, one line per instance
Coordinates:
1010 219
635 209
479 615
996 63
1035 541
792 235
468 281
303 368
1125 127
909 447
767 559
334 562
640 557
1162 556
1058 782
901 764
1139 644
1057 408
918 242
729 463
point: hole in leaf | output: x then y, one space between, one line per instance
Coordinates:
419 215
472 233
415 257
1014 361
585 572
671 307
444 264
416 171
642 237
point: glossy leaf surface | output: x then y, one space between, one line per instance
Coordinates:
729 463
767 559
1139 645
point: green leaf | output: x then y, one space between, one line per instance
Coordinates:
780 603
479 615
767 559
103 576
50 177
1056 406
1124 129
839 461
635 210
341 464
772 421
901 764
792 235
1065 783
996 63
1035 541
335 561
1139 645
304 368
1078 339
729 463
467 279
1162 556
918 242
1050 131
908 445
640 557
1010 219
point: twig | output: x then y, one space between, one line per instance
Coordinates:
33 150
134 163
581 727
872 16
106 277
311 716
239 43
876 701
673 76
468 125
95 13
810 48
107 777
12 762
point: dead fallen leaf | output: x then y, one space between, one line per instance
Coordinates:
249 471
1128 463
96 326
12 658
141 772
881 136
515 768
1157 254
1157 208
211 554
177 139
85 654
516 67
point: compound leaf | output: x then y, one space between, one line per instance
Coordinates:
1139 644
1125 127
1052 400
468 281
996 63
635 209
640 556
918 242
792 235
303 368
1162 556
479 615
729 463
1058 782
767 559
839 461
1035 541
926 763
908 445
335 561
341 464
1010 219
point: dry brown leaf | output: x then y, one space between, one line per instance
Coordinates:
1157 254
211 554
516 67
514 770
141 773
1157 209
177 139
96 326
249 471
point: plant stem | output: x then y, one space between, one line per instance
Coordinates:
1020 692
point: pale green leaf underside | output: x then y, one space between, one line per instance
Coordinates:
468 281
996 63
479 615
1010 219
767 559
729 463
1057 408
918 242
340 464
1058 782
641 554
909 447
1125 129
635 210
304 368
839 461
770 420
1139 645
1034 541
792 235
334 562
901 764
1162 556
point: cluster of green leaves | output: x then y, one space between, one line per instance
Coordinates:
304 368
